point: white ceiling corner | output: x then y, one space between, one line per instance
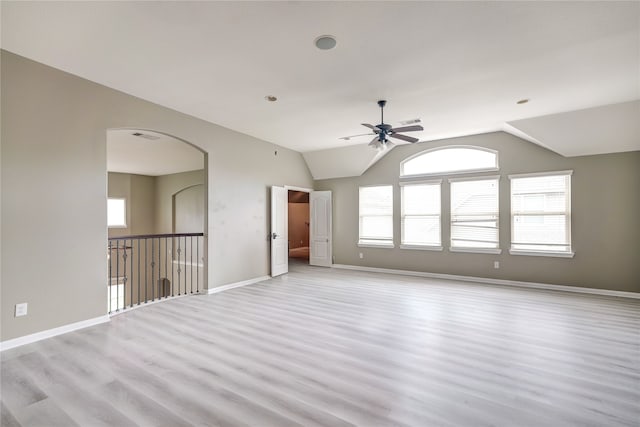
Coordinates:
342 162
599 130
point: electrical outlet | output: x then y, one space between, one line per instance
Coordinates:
21 309
361 255
496 264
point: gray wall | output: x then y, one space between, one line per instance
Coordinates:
54 192
605 230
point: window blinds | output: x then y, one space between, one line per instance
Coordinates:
421 214
376 215
474 214
541 213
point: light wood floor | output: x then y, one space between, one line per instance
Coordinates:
336 348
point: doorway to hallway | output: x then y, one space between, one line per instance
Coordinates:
298 222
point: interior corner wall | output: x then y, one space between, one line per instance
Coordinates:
54 191
166 187
605 202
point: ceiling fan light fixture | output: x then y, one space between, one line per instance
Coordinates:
325 42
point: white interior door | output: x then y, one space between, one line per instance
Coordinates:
279 237
320 240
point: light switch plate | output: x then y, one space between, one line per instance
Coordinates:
21 309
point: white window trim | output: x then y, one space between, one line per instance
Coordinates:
554 254
126 212
423 182
422 248
535 174
477 178
465 172
542 253
494 251
384 245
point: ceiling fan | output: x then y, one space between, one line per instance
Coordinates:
383 130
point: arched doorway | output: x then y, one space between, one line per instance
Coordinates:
149 258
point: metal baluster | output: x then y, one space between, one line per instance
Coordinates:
185 265
138 271
117 275
109 283
198 264
146 262
130 277
160 279
124 274
166 254
161 286
191 255
173 289
153 265
178 252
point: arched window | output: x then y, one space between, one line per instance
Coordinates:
447 160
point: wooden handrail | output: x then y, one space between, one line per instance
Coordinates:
155 236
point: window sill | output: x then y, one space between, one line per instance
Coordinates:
491 251
376 245
421 247
545 254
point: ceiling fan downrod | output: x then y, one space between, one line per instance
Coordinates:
382 136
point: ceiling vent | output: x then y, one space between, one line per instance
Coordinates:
410 122
145 136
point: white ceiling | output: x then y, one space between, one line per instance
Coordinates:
459 66
127 153
588 131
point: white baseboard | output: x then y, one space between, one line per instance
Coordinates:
238 284
31 338
503 282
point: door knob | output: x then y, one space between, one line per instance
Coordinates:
274 235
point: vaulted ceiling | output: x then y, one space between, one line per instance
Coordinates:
458 66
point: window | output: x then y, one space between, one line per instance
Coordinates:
376 216
116 213
453 159
541 214
421 215
474 215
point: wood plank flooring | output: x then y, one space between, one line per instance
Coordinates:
324 347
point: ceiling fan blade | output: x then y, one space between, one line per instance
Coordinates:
413 128
374 142
346 138
372 127
404 138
